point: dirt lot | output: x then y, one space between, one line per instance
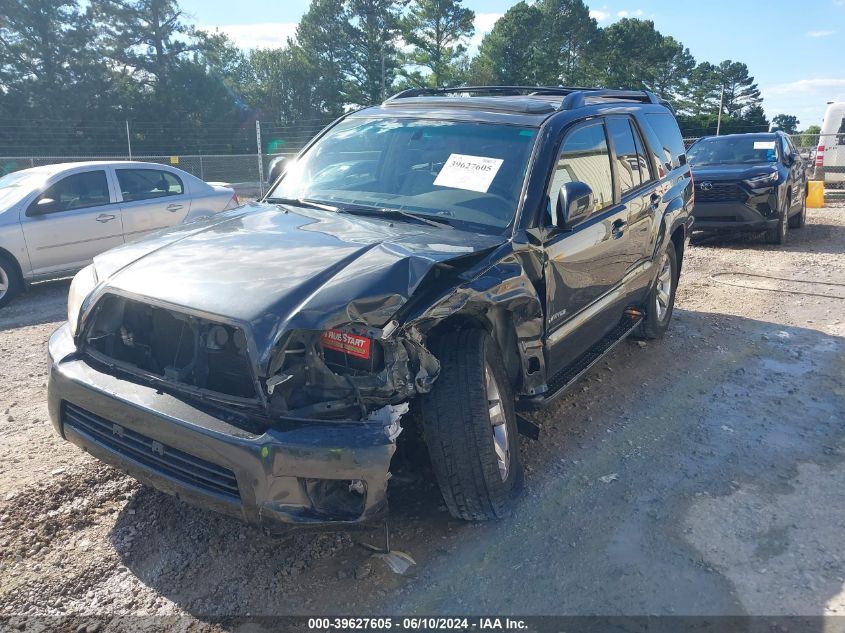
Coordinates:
702 474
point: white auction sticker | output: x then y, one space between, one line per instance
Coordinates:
764 144
475 173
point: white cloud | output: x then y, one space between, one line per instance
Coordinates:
264 35
483 25
806 98
598 15
820 33
636 13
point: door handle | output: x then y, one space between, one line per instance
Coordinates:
618 228
105 217
174 207
655 200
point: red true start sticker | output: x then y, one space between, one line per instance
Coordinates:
347 343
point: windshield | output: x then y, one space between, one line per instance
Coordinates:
17 184
457 172
737 150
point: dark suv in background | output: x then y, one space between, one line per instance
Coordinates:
748 182
467 252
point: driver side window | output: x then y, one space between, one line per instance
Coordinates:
79 191
584 157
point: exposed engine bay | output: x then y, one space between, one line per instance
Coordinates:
345 373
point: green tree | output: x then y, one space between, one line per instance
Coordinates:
324 38
374 64
740 90
786 122
147 38
567 42
508 52
700 96
436 30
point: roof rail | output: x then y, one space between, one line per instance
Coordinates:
574 97
500 90
578 99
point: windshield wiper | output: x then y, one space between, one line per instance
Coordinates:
303 202
419 218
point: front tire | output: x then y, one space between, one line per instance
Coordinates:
661 299
470 427
10 281
799 219
777 235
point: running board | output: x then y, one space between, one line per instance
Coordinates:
568 376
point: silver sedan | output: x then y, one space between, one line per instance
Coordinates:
55 219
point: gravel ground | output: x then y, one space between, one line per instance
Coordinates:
702 474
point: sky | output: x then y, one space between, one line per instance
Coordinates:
794 49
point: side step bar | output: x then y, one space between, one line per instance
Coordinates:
561 381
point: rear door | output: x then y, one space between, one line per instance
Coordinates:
71 221
585 265
640 193
152 199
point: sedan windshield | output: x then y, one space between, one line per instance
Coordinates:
734 150
452 172
17 184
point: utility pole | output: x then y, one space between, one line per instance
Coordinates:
382 71
260 158
719 118
128 140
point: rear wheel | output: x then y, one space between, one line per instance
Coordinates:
470 427
10 282
661 299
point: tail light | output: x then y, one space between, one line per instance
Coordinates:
820 155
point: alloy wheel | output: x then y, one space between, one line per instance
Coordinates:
4 283
663 296
498 423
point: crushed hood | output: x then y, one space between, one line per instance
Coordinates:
278 268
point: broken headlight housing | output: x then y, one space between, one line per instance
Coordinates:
81 287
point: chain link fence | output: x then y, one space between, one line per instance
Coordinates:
244 171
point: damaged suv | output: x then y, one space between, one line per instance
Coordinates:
468 252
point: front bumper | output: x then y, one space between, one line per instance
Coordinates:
273 478
730 216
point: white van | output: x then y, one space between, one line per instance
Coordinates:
830 155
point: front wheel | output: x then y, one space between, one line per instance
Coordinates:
10 283
777 235
470 427
661 299
799 219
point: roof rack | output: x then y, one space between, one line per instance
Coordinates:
574 97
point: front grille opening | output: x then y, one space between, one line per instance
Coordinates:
177 347
155 456
727 192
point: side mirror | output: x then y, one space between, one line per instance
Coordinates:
791 158
42 206
575 203
277 168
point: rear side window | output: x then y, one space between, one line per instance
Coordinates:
669 135
631 161
585 157
79 191
145 184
